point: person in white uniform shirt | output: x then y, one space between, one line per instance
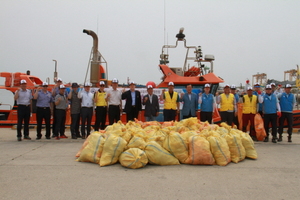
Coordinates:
87 104
23 97
114 99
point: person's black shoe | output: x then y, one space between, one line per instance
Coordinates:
53 136
74 137
19 139
78 136
48 137
83 137
27 138
274 140
38 138
266 139
280 138
289 138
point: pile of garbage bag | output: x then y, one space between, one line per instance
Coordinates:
189 141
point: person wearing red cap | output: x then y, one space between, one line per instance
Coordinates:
227 105
133 103
23 96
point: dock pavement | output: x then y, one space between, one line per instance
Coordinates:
46 169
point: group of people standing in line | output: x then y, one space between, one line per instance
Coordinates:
271 104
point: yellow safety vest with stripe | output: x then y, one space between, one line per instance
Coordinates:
250 106
171 103
227 103
101 99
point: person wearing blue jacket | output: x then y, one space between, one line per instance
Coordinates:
287 102
190 103
207 104
271 110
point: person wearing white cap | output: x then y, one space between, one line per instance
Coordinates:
250 103
87 105
55 92
61 103
133 103
207 104
287 102
151 103
257 92
236 97
101 107
114 99
171 104
23 97
44 104
75 108
190 103
227 105
271 110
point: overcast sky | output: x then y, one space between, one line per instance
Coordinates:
245 36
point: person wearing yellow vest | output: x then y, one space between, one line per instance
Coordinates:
171 105
250 108
101 107
227 105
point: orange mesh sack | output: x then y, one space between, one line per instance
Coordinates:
133 158
199 151
259 127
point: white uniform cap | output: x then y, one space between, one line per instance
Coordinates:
268 87
101 83
59 79
288 86
87 84
171 83
149 86
62 86
115 80
206 85
227 86
45 83
249 88
232 87
131 82
23 81
273 84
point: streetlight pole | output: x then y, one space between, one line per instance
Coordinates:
55 71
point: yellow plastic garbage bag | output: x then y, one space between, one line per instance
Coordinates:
158 155
92 151
112 149
177 146
136 142
133 158
236 148
249 146
199 151
220 150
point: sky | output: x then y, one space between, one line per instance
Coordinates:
245 36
